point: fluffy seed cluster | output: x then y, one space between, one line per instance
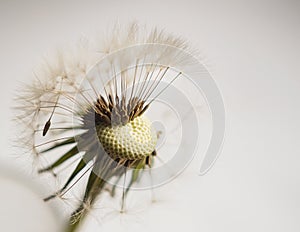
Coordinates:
92 102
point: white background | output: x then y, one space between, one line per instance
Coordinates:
252 50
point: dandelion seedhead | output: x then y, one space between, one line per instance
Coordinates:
88 108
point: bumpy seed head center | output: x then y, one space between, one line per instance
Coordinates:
134 140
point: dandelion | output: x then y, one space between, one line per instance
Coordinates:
86 111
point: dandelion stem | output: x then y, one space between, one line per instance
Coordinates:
123 194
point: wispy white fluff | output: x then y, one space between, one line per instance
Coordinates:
58 79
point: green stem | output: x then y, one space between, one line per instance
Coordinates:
94 187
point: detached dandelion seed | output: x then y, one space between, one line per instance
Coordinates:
92 102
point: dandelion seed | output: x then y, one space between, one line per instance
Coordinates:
98 116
